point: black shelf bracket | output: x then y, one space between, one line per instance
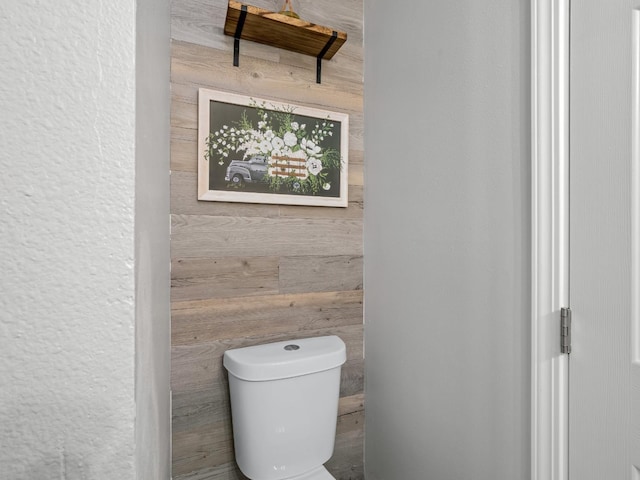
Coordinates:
237 35
321 56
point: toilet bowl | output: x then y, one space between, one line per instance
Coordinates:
284 407
319 473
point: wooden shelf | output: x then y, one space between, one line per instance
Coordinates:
270 28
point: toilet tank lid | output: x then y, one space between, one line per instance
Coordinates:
288 359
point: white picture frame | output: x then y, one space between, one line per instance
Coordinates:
256 150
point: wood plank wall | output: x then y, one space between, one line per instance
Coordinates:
246 274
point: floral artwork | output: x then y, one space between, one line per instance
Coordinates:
256 150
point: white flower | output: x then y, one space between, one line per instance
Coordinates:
310 147
326 186
290 139
314 166
303 126
330 134
294 126
262 124
277 143
264 146
298 154
269 135
307 144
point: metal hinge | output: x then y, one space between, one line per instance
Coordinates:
565 330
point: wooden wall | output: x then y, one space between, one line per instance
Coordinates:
245 274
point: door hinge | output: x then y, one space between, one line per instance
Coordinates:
565 330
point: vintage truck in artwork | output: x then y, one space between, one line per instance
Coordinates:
249 171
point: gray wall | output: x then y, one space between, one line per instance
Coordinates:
447 240
153 280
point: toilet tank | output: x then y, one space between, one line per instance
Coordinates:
284 404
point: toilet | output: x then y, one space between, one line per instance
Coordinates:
284 407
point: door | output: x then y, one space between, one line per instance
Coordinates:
604 371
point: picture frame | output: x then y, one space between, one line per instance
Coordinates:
256 150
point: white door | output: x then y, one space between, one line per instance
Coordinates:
604 365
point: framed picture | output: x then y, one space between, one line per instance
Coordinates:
260 151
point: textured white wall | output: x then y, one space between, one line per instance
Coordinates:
67 81
447 229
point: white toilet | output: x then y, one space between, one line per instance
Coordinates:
284 405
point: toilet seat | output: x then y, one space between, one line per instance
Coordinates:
319 473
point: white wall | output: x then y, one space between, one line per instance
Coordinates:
447 240
67 242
